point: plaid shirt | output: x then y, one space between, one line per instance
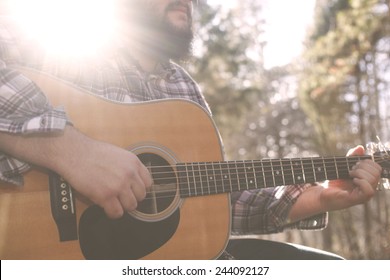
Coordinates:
25 109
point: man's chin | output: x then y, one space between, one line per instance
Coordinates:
179 26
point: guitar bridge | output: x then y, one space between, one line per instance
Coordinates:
63 207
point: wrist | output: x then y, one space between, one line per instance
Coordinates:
308 204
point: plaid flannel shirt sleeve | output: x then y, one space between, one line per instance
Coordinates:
265 211
24 109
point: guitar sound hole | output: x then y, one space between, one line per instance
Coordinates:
164 190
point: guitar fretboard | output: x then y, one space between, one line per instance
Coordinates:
206 178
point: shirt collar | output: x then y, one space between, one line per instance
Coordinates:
165 69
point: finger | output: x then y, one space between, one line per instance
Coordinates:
362 174
146 177
138 188
128 199
368 166
365 188
113 208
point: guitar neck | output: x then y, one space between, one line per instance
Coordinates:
206 178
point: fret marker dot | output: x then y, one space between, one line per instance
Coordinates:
225 177
251 181
299 177
211 178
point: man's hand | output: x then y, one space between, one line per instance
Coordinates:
109 176
339 194
342 194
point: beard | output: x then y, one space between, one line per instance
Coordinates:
157 33
175 43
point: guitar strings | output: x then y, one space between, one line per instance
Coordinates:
269 179
236 183
326 167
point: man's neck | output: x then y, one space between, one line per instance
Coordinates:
146 58
147 63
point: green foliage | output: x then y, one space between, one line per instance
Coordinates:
333 76
228 62
229 67
343 85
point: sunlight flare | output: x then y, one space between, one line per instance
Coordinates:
67 27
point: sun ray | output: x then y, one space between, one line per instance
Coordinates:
67 27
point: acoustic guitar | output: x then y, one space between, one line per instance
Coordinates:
186 214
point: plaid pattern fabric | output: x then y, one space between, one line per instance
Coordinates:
265 211
24 109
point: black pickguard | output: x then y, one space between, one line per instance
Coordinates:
124 238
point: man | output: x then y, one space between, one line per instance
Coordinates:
155 32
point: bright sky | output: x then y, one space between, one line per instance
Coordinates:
286 24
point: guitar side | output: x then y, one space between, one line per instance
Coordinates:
178 128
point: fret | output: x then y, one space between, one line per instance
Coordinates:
212 183
308 170
277 173
319 169
203 178
314 170
260 176
268 173
218 171
218 177
196 178
191 180
233 176
282 171
226 184
206 179
250 175
330 169
297 168
343 168
326 172
303 172
287 172
188 181
292 170
254 174
241 175
184 180
335 166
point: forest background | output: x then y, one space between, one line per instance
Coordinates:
335 95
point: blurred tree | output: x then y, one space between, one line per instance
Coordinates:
343 90
342 84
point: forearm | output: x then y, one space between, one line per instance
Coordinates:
49 150
307 204
109 176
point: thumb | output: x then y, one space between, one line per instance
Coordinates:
356 151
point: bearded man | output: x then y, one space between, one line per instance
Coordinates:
141 67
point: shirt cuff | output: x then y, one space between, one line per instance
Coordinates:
51 121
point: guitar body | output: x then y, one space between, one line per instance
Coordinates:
172 131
